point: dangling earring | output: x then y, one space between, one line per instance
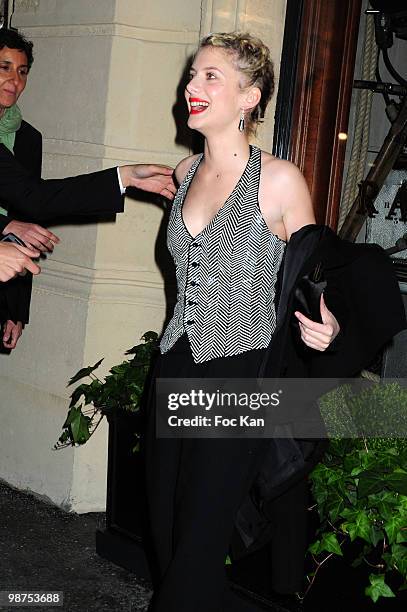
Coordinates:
241 122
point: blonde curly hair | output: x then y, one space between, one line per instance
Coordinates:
252 59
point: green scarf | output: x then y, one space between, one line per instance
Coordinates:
10 122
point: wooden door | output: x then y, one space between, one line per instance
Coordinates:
314 95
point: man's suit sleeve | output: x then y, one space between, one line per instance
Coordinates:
87 194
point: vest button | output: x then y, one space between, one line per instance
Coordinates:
194 264
191 303
190 322
193 283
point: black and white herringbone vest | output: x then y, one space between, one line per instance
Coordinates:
225 275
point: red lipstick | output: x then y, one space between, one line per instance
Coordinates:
197 105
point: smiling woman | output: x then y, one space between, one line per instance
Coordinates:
251 60
234 211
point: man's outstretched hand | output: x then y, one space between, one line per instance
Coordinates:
149 177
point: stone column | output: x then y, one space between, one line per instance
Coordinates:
101 91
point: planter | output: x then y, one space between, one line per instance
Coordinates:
121 541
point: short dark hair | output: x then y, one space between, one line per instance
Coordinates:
13 40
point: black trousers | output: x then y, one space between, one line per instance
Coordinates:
194 489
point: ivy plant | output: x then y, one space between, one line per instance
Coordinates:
121 389
360 490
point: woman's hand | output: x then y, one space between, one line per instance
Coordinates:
11 333
318 336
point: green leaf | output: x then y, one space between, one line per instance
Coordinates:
398 481
370 482
77 394
320 493
360 526
402 536
376 535
393 528
351 496
378 588
335 477
352 462
150 339
335 508
350 513
357 470
398 559
84 372
330 543
385 503
80 427
72 414
315 547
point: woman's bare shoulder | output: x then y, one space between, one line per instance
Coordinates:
277 170
284 194
183 167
